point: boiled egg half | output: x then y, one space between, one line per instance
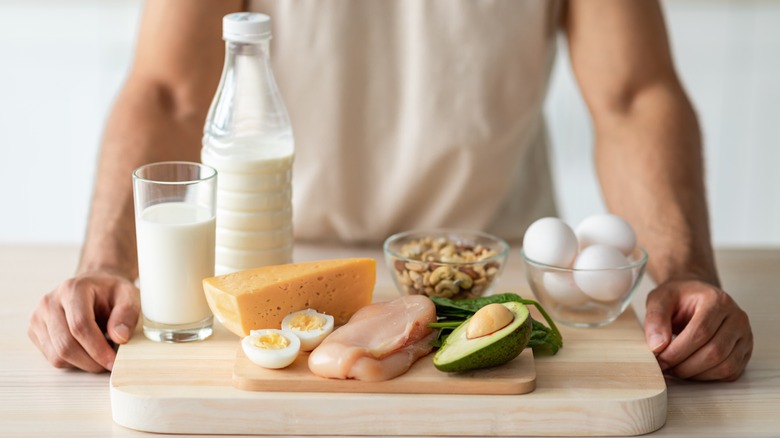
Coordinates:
271 348
310 326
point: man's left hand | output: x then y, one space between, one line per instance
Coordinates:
713 337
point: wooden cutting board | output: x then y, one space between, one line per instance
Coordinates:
515 377
603 382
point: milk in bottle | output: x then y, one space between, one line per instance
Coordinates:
249 140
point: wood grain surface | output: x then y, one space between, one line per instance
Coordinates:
38 400
516 377
603 382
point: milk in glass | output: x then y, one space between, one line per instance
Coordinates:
175 253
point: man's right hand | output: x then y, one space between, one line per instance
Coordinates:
72 324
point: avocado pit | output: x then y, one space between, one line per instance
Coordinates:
489 319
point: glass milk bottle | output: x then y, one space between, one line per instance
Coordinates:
249 140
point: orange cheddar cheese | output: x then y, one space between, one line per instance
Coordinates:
259 298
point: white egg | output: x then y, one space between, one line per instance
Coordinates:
596 278
606 229
562 288
310 326
551 242
271 348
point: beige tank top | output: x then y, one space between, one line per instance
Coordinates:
415 113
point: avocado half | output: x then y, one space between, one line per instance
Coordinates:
459 353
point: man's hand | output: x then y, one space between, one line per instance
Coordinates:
713 337
72 323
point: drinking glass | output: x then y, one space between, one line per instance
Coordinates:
175 212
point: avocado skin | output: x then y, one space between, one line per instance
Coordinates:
495 353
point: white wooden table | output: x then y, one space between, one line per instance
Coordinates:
39 400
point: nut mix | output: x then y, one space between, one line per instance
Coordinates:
428 275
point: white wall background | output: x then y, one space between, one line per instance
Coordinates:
727 54
62 62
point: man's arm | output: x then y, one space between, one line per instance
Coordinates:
649 162
158 116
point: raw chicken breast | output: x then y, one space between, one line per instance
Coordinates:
381 341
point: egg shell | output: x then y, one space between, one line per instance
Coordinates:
312 338
606 229
273 359
561 287
595 274
551 242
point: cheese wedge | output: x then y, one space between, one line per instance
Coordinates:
260 298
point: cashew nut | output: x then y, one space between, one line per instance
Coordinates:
440 273
446 289
464 281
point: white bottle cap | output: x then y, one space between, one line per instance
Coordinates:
246 27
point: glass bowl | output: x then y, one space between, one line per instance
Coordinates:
609 291
445 263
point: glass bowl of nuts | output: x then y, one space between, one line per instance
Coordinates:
445 263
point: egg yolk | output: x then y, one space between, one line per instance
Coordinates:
272 341
306 322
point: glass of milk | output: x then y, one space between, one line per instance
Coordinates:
175 212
